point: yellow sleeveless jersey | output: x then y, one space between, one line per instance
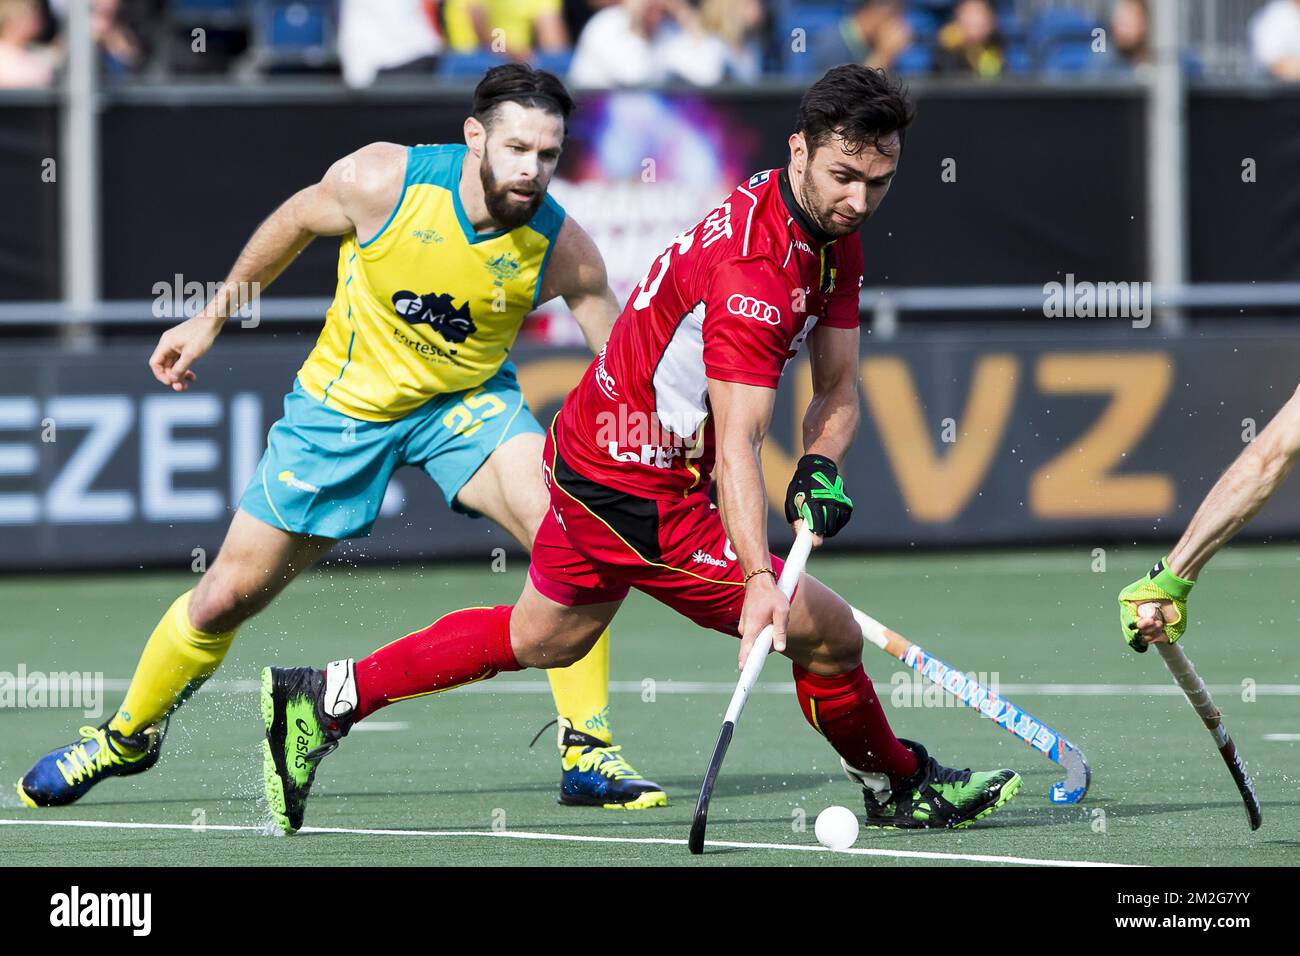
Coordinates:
427 306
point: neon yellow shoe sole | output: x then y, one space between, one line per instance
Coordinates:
272 784
22 795
1005 795
1009 790
647 801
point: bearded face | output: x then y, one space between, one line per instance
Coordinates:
511 202
823 212
518 148
841 187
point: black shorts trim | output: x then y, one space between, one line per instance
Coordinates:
635 520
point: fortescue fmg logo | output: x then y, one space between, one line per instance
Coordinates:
75 909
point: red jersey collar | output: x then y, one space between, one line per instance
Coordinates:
812 232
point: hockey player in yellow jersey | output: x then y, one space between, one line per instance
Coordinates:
443 250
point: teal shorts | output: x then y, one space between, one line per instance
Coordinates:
325 473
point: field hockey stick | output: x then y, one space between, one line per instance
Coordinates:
967 690
1199 697
790 573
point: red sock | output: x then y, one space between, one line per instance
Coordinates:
458 648
845 711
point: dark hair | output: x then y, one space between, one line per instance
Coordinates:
520 83
858 103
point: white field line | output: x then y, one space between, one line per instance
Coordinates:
576 838
1282 738
381 725
787 688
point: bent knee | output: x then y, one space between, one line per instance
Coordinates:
550 654
841 637
846 646
534 648
218 605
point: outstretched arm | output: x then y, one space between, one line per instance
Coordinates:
1242 490
576 272
355 194
1235 498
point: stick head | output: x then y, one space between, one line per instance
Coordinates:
701 820
1078 777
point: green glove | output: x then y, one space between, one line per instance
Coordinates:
1160 584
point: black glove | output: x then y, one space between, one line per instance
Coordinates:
816 494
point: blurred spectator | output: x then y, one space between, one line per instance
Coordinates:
970 43
119 48
22 63
720 42
618 47
388 37
525 25
873 34
1130 33
1275 39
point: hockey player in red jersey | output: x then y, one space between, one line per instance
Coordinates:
679 400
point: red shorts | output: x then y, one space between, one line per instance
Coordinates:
596 543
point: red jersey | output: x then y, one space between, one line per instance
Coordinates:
731 298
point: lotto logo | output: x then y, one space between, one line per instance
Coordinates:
657 456
751 308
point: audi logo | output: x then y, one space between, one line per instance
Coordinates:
751 308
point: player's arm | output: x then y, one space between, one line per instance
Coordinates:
576 271
816 492
832 417
358 190
741 414
1242 490
748 325
1236 497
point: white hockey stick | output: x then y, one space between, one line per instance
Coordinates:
790 574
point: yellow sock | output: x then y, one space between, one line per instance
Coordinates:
581 691
175 662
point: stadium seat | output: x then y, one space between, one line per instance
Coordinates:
219 14
190 9
814 21
782 8
295 32
225 26
919 57
1017 53
297 26
557 63
475 63
1060 41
